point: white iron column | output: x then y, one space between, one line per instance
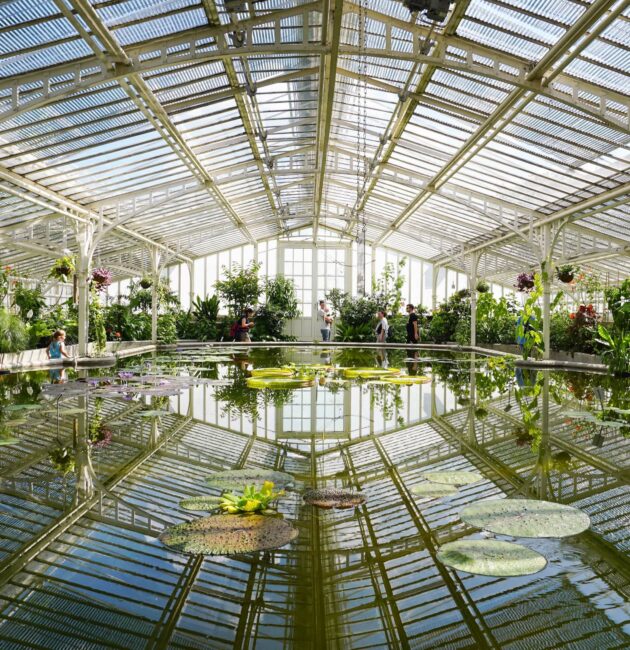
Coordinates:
435 271
155 280
474 262
191 284
546 271
84 256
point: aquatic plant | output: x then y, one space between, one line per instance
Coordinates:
328 498
526 518
433 490
229 535
369 373
408 380
237 479
491 558
453 478
202 502
273 372
252 499
280 382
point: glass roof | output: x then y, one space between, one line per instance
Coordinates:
228 127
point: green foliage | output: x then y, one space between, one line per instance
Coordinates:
13 332
140 298
566 272
559 335
618 301
496 319
252 499
443 326
63 268
529 324
29 302
167 328
483 286
281 306
616 353
96 318
240 287
200 322
5 274
397 332
361 332
387 290
120 319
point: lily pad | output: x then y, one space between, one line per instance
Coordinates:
433 490
22 407
202 502
491 557
369 373
526 518
273 372
237 479
229 534
408 380
328 498
453 478
287 383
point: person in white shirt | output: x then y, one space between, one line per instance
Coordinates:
325 320
382 327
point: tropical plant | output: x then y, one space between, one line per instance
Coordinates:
566 272
240 287
525 282
616 354
360 333
252 500
281 305
167 328
29 302
582 329
588 284
101 278
483 286
96 324
200 322
5 275
13 332
122 323
387 290
496 319
529 323
618 301
63 268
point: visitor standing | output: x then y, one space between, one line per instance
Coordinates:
57 347
382 327
244 326
413 325
325 320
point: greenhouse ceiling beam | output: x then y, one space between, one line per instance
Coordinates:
58 204
143 97
593 21
38 88
332 16
242 100
404 111
596 203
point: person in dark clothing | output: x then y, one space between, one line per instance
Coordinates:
413 325
245 324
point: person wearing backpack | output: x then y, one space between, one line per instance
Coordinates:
240 329
382 328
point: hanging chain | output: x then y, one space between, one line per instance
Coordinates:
362 166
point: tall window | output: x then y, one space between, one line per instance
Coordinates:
298 266
331 270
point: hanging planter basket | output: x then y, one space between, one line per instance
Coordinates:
525 282
63 269
483 287
566 273
146 283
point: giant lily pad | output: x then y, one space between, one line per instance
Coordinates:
369 373
229 534
526 518
287 383
237 479
408 380
433 490
491 557
202 502
328 498
453 478
273 372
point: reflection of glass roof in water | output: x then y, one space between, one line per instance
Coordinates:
204 126
80 562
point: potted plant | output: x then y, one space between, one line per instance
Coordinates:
146 282
63 268
483 286
101 278
525 282
566 273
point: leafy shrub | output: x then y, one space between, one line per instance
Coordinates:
166 328
13 332
240 287
281 306
29 302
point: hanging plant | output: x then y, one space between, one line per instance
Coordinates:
63 268
5 274
483 286
525 282
146 282
566 273
101 278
